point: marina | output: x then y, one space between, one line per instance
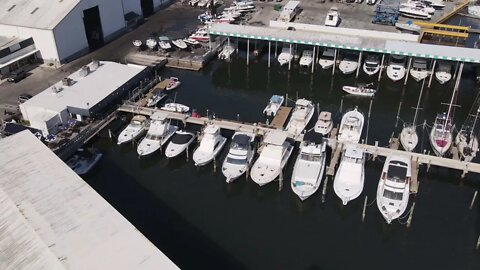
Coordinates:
274 135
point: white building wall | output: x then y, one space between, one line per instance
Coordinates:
43 39
132 6
70 32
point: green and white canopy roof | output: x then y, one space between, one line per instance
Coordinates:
383 42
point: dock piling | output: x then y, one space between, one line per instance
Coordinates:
269 52
364 208
214 164
313 61
381 67
248 51
408 70
473 199
334 62
290 60
324 191
276 49
410 215
478 242
187 153
280 181
110 134
359 63
431 73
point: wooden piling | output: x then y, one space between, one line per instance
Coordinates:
324 191
334 62
364 208
431 73
408 71
410 216
359 64
248 51
269 53
473 199
381 67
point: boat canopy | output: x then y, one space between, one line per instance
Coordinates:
276 99
241 140
159 116
396 172
313 137
181 138
325 116
211 129
328 52
163 38
275 137
303 102
139 118
352 151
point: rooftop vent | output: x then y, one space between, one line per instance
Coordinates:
12 7
67 81
33 11
84 71
56 90
95 64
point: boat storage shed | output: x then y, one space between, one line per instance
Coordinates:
65 29
85 93
50 218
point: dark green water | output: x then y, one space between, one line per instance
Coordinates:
200 222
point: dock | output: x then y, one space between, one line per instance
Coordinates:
262 129
281 117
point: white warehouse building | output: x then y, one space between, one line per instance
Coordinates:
65 29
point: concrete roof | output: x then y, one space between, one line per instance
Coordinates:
51 219
86 91
351 39
42 14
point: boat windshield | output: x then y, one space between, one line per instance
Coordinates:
327 57
392 195
371 64
396 60
237 161
181 138
397 173
310 157
153 137
136 124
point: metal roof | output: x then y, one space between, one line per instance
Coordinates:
41 14
50 218
351 39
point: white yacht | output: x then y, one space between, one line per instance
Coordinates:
327 60
135 129
419 69
394 187
408 26
285 56
179 43
443 74
396 67
307 58
210 145
361 90
274 105
83 161
158 134
173 83
349 64
301 116
351 126
239 157
371 65
324 123
333 17
155 98
175 107
310 165
350 176
467 141
441 134
227 52
180 142
408 137
415 13
274 154
164 43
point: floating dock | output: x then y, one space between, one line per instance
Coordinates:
281 117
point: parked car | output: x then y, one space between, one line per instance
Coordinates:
24 97
17 76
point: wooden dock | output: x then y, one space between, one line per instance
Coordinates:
414 179
281 117
456 10
337 151
261 129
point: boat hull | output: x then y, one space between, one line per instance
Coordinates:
408 138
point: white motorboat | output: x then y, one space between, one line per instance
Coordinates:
274 154
333 17
301 116
159 132
173 84
199 37
202 3
371 65
441 134
361 90
419 5
156 97
415 13
239 157
349 179
351 126
408 26
436 4
151 43
443 74
137 43
135 129
179 143
310 165
394 187
193 2
327 60
307 58
348 65
164 43
466 140
408 137
324 123
274 105
175 107
84 160
191 42
474 11
419 69
179 43
285 56
210 145
396 67
227 52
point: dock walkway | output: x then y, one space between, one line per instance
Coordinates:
262 129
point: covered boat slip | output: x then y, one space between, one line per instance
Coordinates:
351 39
